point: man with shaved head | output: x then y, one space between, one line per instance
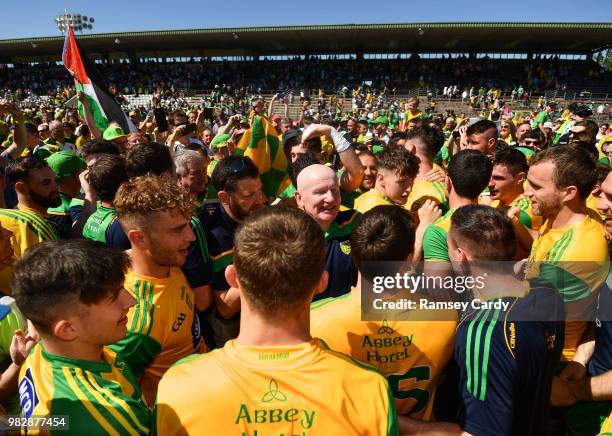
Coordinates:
318 194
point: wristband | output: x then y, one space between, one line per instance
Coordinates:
340 142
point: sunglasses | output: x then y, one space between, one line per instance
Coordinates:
237 166
533 142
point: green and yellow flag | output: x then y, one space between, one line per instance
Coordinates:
262 144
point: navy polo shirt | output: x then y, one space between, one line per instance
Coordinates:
197 267
219 229
338 262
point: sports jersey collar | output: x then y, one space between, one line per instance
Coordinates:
547 227
376 193
132 275
105 208
342 225
447 215
64 206
88 365
280 357
65 197
22 207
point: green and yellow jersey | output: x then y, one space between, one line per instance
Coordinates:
272 390
528 152
435 247
574 261
162 326
526 215
405 351
606 428
99 398
28 227
369 200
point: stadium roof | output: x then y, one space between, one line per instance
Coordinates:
574 38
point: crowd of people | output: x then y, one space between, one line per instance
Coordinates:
335 75
154 284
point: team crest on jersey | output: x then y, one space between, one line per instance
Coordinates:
273 393
384 328
196 332
345 247
27 395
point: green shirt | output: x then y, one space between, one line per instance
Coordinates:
528 152
98 222
541 118
441 156
104 226
435 246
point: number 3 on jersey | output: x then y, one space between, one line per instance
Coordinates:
421 396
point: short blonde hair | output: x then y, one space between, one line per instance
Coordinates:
139 197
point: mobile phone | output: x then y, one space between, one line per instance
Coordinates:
160 119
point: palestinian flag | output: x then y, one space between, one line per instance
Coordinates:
262 144
103 106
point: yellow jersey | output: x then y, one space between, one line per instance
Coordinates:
406 352
28 227
304 389
162 326
574 260
423 190
369 200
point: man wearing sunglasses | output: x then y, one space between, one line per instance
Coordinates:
236 180
530 143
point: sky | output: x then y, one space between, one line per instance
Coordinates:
28 18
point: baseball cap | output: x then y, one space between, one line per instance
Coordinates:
380 120
290 135
65 163
583 111
42 127
113 132
220 140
